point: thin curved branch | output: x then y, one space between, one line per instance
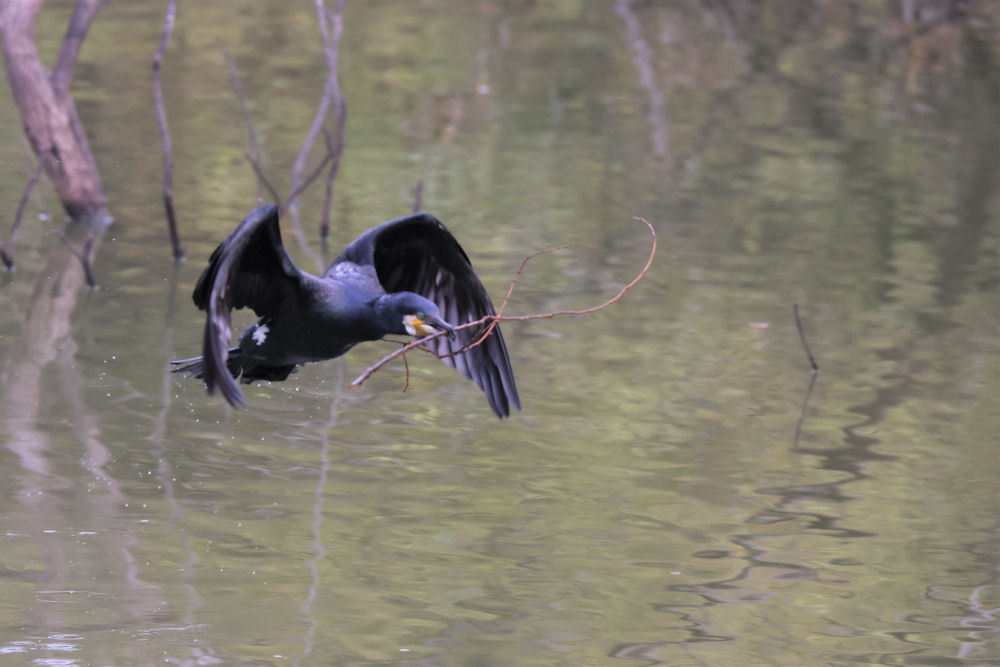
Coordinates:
510 290
493 319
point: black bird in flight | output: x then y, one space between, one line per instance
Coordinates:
405 276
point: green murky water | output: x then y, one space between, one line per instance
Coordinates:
675 490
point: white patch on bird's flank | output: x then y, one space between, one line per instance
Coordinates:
260 334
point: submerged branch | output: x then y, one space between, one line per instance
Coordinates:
336 151
331 90
83 254
802 337
313 175
331 49
418 196
7 249
492 320
254 154
161 119
262 179
334 148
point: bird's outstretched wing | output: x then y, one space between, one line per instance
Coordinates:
250 269
418 254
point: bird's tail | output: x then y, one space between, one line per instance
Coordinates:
195 366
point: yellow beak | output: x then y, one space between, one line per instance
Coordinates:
422 327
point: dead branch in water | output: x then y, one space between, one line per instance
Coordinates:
83 254
253 155
334 147
418 196
331 49
492 320
313 175
161 119
263 180
331 89
45 105
251 129
336 151
7 249
802 337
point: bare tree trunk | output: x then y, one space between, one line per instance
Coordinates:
47 111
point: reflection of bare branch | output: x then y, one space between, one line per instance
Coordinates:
490 321
47 344
319 495
980 617
642 57
802 412
7 249
45 329
161 119
95 460
165 472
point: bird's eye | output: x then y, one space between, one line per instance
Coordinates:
420 315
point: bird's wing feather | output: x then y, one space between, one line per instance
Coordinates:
418 254
250 269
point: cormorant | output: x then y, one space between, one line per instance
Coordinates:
405 276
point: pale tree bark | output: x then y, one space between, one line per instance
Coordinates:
47 110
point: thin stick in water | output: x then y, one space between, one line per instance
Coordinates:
262 178
418 196
82 255
6 249
337 151
330 89
161 119
251 130
802 336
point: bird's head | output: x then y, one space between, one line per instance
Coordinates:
409 313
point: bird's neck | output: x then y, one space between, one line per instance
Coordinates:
387 318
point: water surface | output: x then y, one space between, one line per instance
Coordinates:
678 489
